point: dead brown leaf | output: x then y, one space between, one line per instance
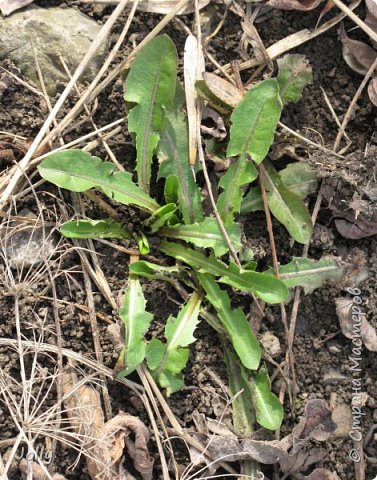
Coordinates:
301 460
251 37
358 55
316 424
294 4
371 7
353 322
223 89
356 269
37 471
83 407
322 474
121 432
9 6
350 227
230 449
372 91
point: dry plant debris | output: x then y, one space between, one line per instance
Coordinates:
359 55
352 319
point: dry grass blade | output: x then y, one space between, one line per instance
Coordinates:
351 108
23 165
193 68
92 91
348 11
153 6
295 40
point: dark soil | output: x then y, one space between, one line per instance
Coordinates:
321 352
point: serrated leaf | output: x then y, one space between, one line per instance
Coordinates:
160 217
152 270
310 274
239 174
171 189
267 287
242 406
179 331
166 361
254 121
287 207
87 228
252 201
136 321
143 244
299 178
206 234
155 353
172 383
294 74
173 149
78 171
268 409
151 84
234 321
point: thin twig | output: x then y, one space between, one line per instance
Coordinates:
295 40
290 363
348 11
351 108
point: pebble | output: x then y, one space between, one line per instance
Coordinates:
53 31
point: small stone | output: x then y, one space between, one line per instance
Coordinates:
334 348
375 416
333 376
270 343
26 242
53 32
342 416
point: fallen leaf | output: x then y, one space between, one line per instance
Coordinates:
121 432
361 227
38 473
225 91
371 7
294 4
358 55
317 423
356 270
230 449
322 474
83 407
372 91
251 37
326 9
301 460
103 443
353 323
9 6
